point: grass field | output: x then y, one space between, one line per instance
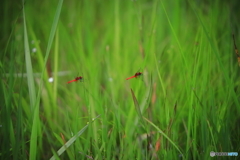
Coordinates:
185 104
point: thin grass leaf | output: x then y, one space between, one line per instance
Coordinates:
137 106
34 133
211 133
30 79
174 33
56 53
164 135
19 127
160 77
50 40
54 28
72 140
150 43
35 127
32 93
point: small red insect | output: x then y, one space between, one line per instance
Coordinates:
76 79
135 76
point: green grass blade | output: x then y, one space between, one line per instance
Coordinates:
34 135
32 93
55 67
19 127
53 29
36 122
72 140
50 40
175 36
212 135
30 79
137 106
160 77
164 135
150 44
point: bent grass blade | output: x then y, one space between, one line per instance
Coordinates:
72 140
136 104
164 135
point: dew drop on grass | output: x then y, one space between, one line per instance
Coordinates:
50 79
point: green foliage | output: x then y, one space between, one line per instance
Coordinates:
186 103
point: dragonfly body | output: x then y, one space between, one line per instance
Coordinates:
76 79
135 76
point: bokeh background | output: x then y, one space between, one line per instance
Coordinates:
185 105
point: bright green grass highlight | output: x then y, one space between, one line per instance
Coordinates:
184 106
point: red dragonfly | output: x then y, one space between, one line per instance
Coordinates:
135 76
76 79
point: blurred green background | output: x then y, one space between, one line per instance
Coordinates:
185 105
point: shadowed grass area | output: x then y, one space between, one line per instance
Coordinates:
185 104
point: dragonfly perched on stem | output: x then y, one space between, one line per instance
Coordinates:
236 50
76 79
135 76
